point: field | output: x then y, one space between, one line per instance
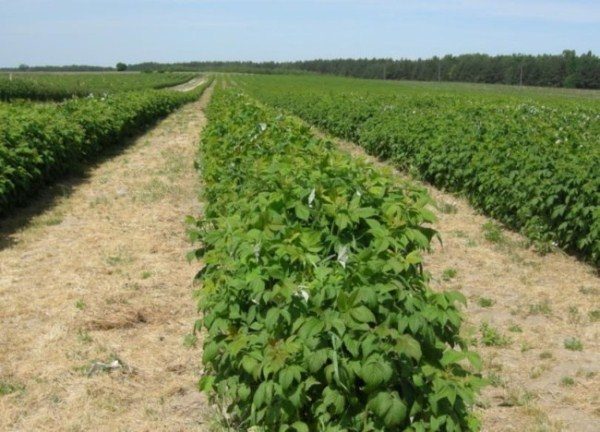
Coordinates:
531 164
56 87
42 141
366 255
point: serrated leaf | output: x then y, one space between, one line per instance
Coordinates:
302 211
300 426
206 383
408 346
251 365
209 351
316 360
362 314
376 372
451 357
380 404
396 414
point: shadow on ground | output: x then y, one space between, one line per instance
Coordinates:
48 196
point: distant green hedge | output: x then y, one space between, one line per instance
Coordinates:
57 87
40 142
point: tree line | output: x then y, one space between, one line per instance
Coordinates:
563 70
547 70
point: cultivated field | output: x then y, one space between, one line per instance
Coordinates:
54 86
372 255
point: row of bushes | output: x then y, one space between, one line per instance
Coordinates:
57 87
40 142
534 167
316 308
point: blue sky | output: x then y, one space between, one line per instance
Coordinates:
103 32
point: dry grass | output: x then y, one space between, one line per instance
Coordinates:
190 85
97 296
531 304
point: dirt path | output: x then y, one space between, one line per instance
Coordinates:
96 297
535 319
190 85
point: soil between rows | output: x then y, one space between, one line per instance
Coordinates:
97 299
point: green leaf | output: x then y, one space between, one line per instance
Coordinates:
376 372
389 408
300 426
396 414
333 398
206 383
302 212
362 314
363 213
316 360
272 318
251 365
243 392
286 378
408 346
380 404
451 357
260 395
475 360
413 258
210 351
310 328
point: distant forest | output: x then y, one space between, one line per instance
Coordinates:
563 70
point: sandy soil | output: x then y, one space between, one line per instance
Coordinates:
536 309
96 297
190 85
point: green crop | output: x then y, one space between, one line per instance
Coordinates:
314 301
535 166
57 87
40 142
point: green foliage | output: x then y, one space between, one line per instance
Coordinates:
40 142
315 306
449 274
493 233
567 381
121 67
515 328
573 344
485 302
190 340
492 337
7 388
57 87
557 70
533 166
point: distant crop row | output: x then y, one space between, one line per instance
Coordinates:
39 142
533 166
56 87
317 313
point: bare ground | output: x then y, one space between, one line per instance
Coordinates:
536 309
190 85
96 297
